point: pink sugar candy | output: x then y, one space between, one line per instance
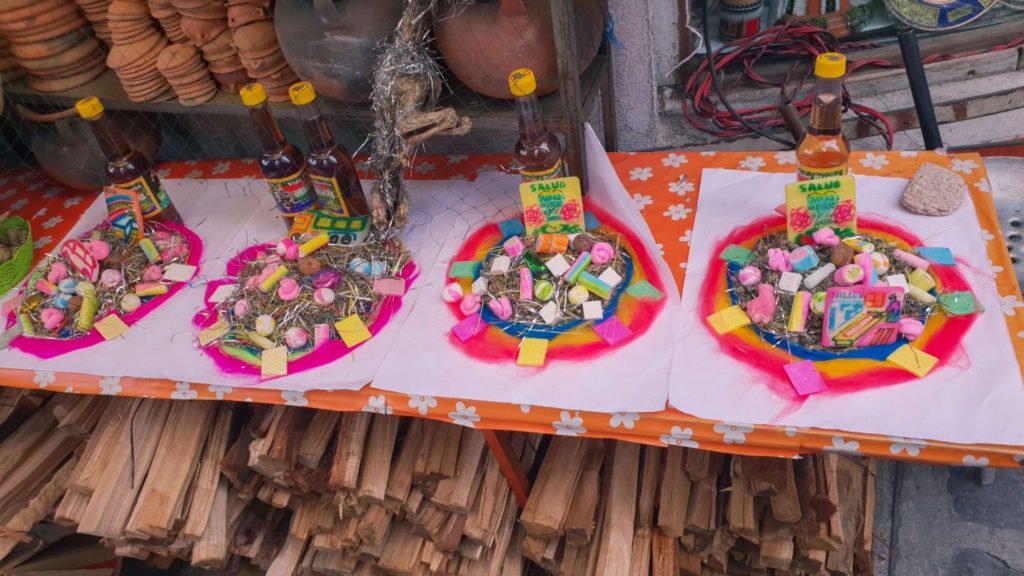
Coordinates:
111 278
162 239
288 289
321 335
324 296
52 318
58 272
514 246
910 328
470 304
295 337
778 260
525 284
501 307
452 293
912 260
257 280
241 308
172 253
99 249
762 309
749 275
153 273
825 237
601 253
288 249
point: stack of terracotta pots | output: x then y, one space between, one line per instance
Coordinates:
137 44
169 19
52 42
252 27
96 12
185 69
205 22
9 68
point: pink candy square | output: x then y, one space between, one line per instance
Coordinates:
389 286
469 327
805 378
613 331
514 246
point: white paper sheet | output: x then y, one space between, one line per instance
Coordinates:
632 379
978 399
230 215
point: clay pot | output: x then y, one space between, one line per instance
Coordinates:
202 31
241 14
255 38
66 148
483 43
333 44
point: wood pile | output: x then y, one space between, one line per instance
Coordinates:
280 489
601 508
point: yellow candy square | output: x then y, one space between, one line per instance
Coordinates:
913 360
532 352
111 327
274 362
922 279
732 318
352 330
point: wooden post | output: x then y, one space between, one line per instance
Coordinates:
513 471
563 19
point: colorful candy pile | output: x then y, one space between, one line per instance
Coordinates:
300 296
100 275
784 289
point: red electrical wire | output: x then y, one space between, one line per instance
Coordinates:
800 43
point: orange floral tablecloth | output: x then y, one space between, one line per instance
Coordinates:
665 187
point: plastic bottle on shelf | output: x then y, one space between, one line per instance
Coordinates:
824 151
126 168
331 170
538 152
281 164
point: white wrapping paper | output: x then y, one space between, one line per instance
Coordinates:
978 398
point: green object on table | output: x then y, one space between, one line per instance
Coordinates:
644 290
737 255
464 269
12 271
959 303
534 263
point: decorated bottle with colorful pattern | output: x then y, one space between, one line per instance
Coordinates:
538 152
824 151
126 168
282 165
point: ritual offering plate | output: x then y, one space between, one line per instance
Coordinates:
97 286
833 299
304 302
578 291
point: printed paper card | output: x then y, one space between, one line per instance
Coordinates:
553 206
815 204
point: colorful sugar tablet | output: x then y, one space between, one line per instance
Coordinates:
911 260
800 311
532 352
922 279
581 263
790 282
805 378
915 361
737 255
940 256
818 276
803 259
729 319
595 285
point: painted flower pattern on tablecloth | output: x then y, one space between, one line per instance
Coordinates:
673 160
679 436
464 415
641 174
965 166
976 462
733 433
219 390
841 445
642 200
984 186
184 391
378 405
681 187
677 212
422 404
111 385
753 163
1010 304
785 157
912 446
874 161
44 378
569 425
291 398
625 419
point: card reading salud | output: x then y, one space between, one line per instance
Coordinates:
553 206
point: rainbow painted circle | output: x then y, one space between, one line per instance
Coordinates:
844 371
500 341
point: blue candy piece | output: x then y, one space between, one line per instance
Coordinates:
940 256
61 299
360 266
512 227
67 285
590 221
803 259
378 269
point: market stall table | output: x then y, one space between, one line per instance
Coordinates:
665 187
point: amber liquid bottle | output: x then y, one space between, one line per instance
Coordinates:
537 152
128 169
331 170
824 151
282 165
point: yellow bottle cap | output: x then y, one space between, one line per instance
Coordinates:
253 94
89 108
830 65
301 93
522 82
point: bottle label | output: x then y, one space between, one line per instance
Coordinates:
293 194
329 193
153 199
811 173
549 174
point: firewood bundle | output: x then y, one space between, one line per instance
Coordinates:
282 489
600 508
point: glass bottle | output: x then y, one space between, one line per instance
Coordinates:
538 152
824 151
127 169
282 165
331 170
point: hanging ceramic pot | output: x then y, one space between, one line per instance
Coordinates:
333 44
484 42
66 149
